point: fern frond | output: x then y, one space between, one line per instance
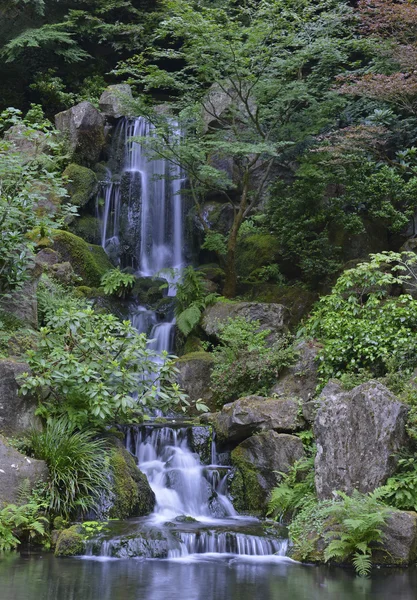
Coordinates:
362 563
188 319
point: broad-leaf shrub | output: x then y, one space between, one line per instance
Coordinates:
94 369
244 363
117 283
363 327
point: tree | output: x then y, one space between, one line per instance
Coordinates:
247 85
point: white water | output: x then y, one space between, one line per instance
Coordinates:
144 198
182 485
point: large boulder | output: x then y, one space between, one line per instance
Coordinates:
17 413
253 414
257 462
358 434
18 472
399 540
83 125
274 317
28 142
194 371
113 98
300 380
81 184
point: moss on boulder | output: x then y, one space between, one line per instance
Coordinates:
133 496
70 542
90 262
254 252
81 184
87 227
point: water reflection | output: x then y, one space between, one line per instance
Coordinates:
43 577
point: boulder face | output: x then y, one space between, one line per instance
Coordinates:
194 375
17 413
274 317
15 470
83 124
253 414
358 434
300 380
112 99
28 142
399 540
257 461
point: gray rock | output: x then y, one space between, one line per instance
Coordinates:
17 413
274 317
16 470
300 380
399 541
253 414
358 434
28 144
194 375
64 273
83 125
112 100
22 303
258 460
199 438
47 257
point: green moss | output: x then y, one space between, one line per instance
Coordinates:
148 290
200 355
192 345
133 495
255 251
88 261
87 228
70 542
245 490
82 184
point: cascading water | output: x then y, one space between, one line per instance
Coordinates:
142 227
142 219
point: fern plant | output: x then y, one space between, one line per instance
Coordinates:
358 520
19 522
191 300
117 283
296 488
401 489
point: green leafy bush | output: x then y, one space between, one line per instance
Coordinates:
244 363
361 326
400 490
77 465
117 283
94 369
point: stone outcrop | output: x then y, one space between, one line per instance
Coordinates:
81 184
112 100
300 380
194 370
253 414
83 126
28 142
17 413
257 462
274 317
17 471
399 540
358 434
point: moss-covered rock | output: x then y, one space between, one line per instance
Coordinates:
87 227
133 496
90 262
70 542
194 376
149 291
81 184
254 252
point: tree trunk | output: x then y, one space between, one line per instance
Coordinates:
230 283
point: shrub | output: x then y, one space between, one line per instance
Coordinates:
77 466
117 283
244 364
401 489
20 522
363 328
191 299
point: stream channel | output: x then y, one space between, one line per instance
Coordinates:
194 546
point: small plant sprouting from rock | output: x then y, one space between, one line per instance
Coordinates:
117 283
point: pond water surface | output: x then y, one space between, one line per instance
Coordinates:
44 577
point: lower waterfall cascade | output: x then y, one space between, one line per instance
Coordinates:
193 515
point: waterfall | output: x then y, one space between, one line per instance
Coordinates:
182 485
141 213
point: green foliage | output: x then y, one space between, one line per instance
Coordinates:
191 299
216 242
244 363
18 523
358 521
28 184
401 489
296 488
96 369
77 464
117 283
363 328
